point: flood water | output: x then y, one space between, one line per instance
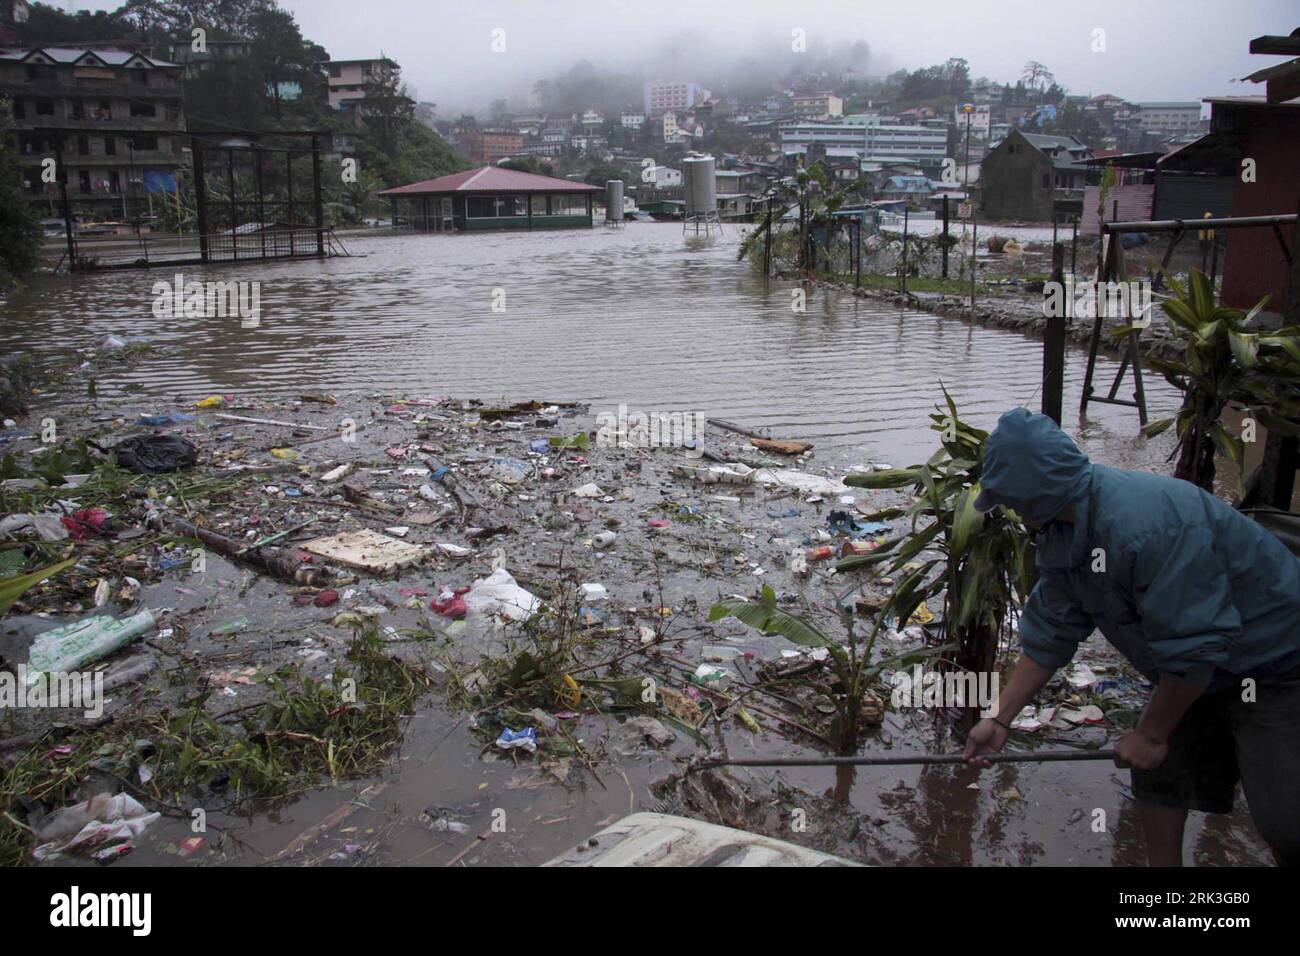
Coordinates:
644 317
638 315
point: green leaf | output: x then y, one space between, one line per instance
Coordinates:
11 589
765 616
966 522
1151 429
885 478
1245 346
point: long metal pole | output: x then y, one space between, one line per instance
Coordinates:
1050 756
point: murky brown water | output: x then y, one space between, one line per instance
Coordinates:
637 315
643 317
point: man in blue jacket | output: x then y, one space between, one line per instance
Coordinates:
1202 601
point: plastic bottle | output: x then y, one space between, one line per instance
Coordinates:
74 646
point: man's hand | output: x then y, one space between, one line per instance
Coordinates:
1141 751
986 737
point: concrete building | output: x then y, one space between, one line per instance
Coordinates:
1022 176
486 146
113 116
672 95
632 120
182 51
818 106
347 79
1169 119
926 147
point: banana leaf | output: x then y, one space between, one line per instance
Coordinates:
11 589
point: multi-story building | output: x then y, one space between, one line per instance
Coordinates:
486 146
632 120
672 95
347 79
112 117
181 50
13 13
1169 119
873 140
824 105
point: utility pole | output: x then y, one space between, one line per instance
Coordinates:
968 109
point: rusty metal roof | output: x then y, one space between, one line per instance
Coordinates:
491 179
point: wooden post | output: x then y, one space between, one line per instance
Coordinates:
1054 343
944 241
200 197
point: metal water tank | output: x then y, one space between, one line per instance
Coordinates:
614 200
701 185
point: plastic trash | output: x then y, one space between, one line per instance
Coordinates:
104 818
450 604
498 593
594 592
78 645
155 454
510 471
167 418
710 676
604 539
590 490
841 522
540 445
525 739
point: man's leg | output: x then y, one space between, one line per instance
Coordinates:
1267 733
1163 829
1199 773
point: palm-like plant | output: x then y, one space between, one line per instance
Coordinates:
1224 361
984 565
851 662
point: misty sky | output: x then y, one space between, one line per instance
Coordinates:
1155 49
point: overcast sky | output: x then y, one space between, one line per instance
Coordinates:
1154 49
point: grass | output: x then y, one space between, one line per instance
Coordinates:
308 731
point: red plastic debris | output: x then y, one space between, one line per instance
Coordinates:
82 524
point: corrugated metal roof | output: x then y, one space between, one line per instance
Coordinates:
491 179
68 54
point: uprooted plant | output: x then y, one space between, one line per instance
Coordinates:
984 566
307 729
850 662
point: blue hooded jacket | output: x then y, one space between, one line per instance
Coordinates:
1175 579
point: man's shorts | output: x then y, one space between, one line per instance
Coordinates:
1223 739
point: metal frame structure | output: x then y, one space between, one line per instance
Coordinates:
229 241
1112 269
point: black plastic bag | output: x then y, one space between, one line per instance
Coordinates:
155 454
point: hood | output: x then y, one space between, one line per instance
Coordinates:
1032 467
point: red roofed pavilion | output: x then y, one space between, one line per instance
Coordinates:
491 198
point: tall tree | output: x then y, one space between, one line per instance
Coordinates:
20 233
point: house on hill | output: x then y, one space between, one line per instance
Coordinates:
1023 175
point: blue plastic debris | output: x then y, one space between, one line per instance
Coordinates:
841 522
167 418
525 739
440 473
540 445
787 513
